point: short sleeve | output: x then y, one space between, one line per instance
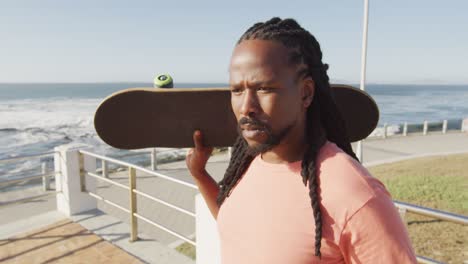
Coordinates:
376 234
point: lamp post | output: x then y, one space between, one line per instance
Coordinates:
363 65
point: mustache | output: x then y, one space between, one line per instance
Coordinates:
252 121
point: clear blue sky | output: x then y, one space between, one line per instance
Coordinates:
410 41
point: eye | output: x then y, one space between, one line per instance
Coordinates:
264 89
236 90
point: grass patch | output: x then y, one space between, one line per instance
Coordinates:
436 182
187 249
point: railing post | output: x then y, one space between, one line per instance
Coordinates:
464 125
45 180
385 130
104 169
69 181
229 152
425 128
359 151
82 172
402 212
154 163
133 204
444 127
405 129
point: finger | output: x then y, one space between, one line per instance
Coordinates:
198 140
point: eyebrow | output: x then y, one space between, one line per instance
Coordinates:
255 84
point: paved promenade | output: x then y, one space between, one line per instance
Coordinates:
61 242
376 151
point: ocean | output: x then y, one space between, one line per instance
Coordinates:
34 118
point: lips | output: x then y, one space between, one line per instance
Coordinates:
252 127
252 134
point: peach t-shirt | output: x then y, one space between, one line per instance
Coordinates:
268 217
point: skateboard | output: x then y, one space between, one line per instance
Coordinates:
160 117
167 117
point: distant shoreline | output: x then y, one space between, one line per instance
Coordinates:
226 84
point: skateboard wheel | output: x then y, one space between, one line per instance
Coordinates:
163 81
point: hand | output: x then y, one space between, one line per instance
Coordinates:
197 157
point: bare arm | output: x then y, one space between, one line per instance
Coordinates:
209 189
196 162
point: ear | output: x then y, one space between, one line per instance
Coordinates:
308 91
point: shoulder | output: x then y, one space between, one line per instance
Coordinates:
345 185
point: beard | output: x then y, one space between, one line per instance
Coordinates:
272 138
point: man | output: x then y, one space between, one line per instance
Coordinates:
294 191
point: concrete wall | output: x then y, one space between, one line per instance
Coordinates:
69 164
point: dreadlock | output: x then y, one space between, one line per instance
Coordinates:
324 121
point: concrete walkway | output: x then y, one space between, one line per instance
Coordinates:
63 241
376 151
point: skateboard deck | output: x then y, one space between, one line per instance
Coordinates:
156 117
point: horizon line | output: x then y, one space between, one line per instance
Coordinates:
226 84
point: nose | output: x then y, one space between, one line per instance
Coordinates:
250 106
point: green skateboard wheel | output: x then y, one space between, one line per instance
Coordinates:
163 81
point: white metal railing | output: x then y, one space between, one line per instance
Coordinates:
139 168
425 211
27 156
433 213
44 172
437 214
133 192
153 154
44 175
22 179
424 130
426 260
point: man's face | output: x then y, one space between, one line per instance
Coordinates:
266 96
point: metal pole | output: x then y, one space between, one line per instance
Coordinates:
385 128
434 213
444 127
402 212
405 129
45 179
133 204
82 172
363 65
229 152
425 128
154 163
104 169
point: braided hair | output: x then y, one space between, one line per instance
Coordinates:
324 121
